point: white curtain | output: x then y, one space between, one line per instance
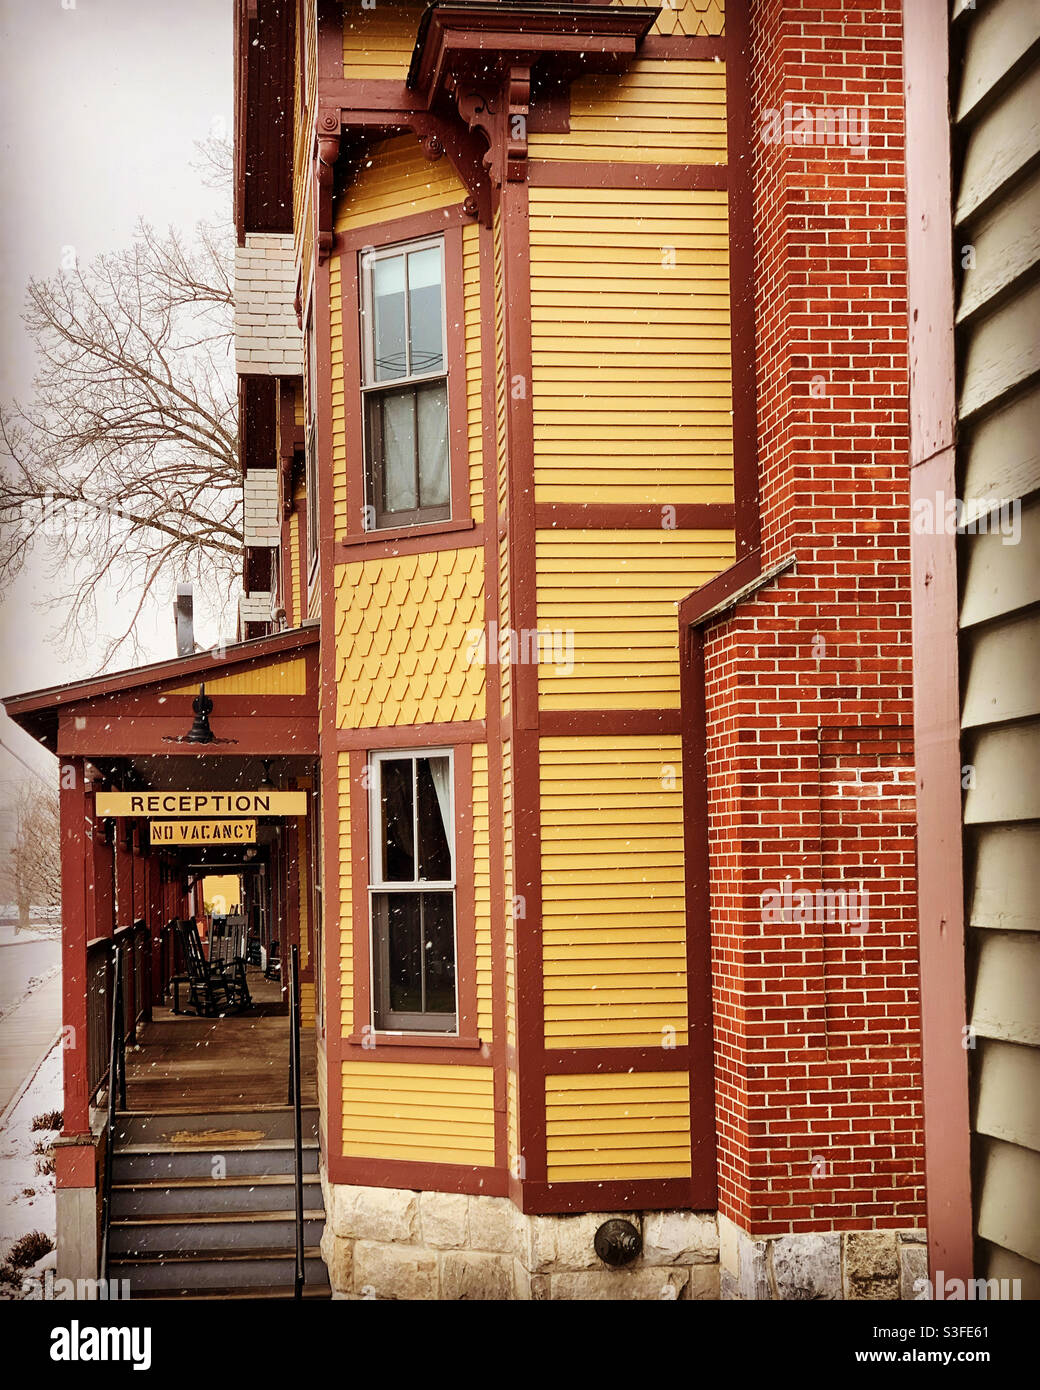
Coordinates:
440 774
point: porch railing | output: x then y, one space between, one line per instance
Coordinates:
132 946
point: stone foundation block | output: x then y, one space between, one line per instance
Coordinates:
375 1213
601 1284
704 1284
807 1267
871 1260
680 1237
338 1254
401 1272
444 1218
474 1275
913 1266
494 1224
559 1243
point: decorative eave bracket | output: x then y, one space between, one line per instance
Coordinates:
469 89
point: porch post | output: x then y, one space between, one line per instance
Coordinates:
157 919
124 872
75 822
102 878
75 1153
291 838
139 872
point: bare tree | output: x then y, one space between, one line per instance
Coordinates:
32 873
125 462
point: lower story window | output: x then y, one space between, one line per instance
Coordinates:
412 892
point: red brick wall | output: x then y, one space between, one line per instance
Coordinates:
808 690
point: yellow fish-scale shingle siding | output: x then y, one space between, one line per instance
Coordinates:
603 1127
694 19
378 39
406 639
665 113
614 594
412 1111
346 928
630 325
613 908
397 180
482 890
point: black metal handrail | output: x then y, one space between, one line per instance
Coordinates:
116 1087
296 1101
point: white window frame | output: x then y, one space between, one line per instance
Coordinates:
378 885
368 259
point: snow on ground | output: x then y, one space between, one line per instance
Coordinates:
26 1196
26 957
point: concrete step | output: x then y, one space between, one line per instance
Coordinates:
213 1233
169 1197
234 1159
199 1271
214 1127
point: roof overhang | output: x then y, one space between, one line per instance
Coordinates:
471 40
144 711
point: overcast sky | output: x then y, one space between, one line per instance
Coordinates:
101 102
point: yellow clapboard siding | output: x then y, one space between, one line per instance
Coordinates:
605 1127
609 945
378 39
628 606
584 904
674 111
433 1114
619 277
396 180
306 1004
512 1123
405 632
270 678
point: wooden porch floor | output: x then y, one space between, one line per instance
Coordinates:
185 1064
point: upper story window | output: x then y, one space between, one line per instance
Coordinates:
405 383
412 887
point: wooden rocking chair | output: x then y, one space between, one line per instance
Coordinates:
209 990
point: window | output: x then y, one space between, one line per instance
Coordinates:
413 892
405 384
310 445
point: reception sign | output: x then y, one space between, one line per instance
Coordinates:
239 803
202 832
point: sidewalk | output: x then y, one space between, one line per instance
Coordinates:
26 1034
